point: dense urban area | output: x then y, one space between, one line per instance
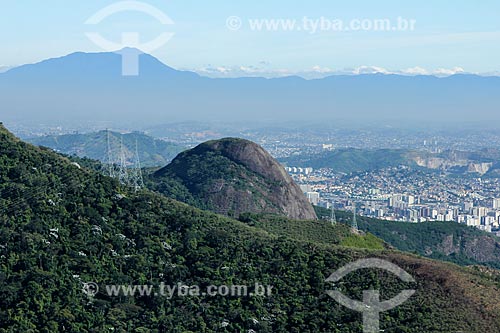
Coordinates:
405 194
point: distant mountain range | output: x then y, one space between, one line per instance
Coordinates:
84 87
152 152
4 68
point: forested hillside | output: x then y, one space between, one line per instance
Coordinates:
449 241
232 176
62 226
152 152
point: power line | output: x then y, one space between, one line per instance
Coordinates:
354 224
333 218
135 177
117 164
109 157
122 167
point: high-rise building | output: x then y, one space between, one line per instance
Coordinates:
313 197
495 203
468 205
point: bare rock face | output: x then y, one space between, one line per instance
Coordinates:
480 168
448 246
233 176
482 249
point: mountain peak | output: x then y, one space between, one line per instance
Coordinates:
96 65
130 49
92 86
233 176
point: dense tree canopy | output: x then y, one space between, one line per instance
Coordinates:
62 226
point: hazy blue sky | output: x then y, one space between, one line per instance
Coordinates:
448 33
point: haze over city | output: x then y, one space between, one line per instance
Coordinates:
218 166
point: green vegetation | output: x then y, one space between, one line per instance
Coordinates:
62 226
318 231
352 160
367 241
198 181
152 152
447 241
230 177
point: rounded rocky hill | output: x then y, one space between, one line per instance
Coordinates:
233 176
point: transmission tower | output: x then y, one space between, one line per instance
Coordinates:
354 225
110 167
117 164
122 167
333 218
135 178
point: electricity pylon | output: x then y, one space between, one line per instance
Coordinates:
333 218
354 224
135 175
122 167
117 165
110 161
